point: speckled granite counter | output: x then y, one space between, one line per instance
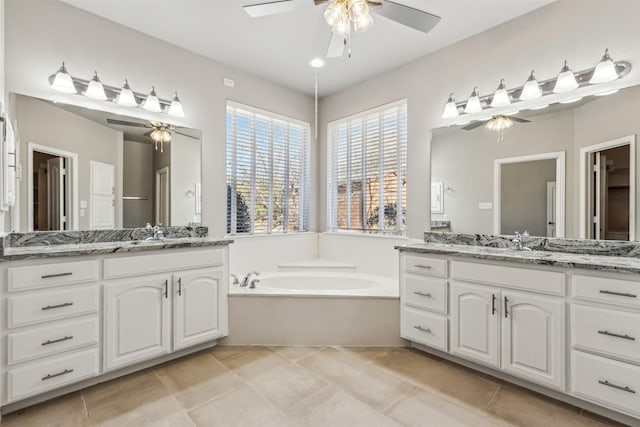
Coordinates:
616 264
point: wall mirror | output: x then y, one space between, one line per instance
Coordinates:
79 168
568 170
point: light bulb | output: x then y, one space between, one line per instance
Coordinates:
473 103
335 12
363 23
605 70
358 9
176 107
126 98
152 103
95 89
501 96
450 108
531 89
341 28
62 82
566 81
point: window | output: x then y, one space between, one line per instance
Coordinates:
366 170
267 172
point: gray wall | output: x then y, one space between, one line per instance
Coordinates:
523 196
44 124
138 178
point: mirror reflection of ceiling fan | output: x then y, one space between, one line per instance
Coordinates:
159 132
345 16
498 123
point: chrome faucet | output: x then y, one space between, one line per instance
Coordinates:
235 279
518 241
155 233
245 280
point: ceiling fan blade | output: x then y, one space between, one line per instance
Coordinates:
275 7
125 123
406 15
148 133
474 125
184 134
519 120
336 46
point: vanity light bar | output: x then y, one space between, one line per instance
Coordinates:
62 81
546 87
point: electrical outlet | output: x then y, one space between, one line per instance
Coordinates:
82 212
485 206
229 82
83 204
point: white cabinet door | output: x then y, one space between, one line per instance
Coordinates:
137 320
200 300
533 337
475 322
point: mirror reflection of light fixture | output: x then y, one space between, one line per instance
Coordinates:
501 96
566 80
499 124
531 89
450 108
62 82
161 135
176 107
605 70
126 98
95 90
152 103
473 103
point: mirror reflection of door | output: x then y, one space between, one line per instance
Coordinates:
50 192
162 196
610 181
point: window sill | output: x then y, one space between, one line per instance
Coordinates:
366 235
267 235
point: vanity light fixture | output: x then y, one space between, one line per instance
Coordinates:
605 70
95 90
63 82
570 101
124 96
501 96
566 80
531 89
608 92
450 108
473 103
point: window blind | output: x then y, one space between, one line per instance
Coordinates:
366 170
267 172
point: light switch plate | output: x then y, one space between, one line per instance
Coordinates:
485 206
229 82
82 212
83 204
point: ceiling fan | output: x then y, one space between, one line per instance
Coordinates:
405 15
160 132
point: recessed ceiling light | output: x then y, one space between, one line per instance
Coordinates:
317 63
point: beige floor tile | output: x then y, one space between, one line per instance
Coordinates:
226 351
368 383
242 407
121 388
333 407
295 353
602 420
413 410
197 378
254 361
456 384
522 408
368 353
65 411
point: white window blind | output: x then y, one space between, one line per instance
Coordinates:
267 172
366 170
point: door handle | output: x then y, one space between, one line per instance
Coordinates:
180 286
493 304
166 288
506 309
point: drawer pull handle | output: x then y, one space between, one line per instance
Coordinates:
619 387
179 286
422 294
421 329
51 307
49 276
426 267
57 374
493 304
506 308
619 294
166 289
611 334
65 338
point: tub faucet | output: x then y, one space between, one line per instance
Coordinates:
245 280
235 279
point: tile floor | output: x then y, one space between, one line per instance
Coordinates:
304 386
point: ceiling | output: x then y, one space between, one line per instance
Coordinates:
279 48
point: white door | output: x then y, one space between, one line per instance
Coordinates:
551 209
162 196
102 198
56 182
198 298
532 337
137 320
475 322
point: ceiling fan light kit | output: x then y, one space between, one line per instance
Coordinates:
64 82
605 71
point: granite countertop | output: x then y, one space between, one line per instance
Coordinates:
618 264
100 248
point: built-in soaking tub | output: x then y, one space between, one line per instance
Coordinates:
317 307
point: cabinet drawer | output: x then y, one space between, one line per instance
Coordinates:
160 263
601 289
45 306
50 339
606 331
45 275
424 265
424 292
608 382
424 328
547 282
51 373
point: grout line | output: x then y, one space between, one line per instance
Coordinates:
492 398
249 348
212 399
84 404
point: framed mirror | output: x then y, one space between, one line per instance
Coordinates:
79 168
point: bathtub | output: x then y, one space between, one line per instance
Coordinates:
320 283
